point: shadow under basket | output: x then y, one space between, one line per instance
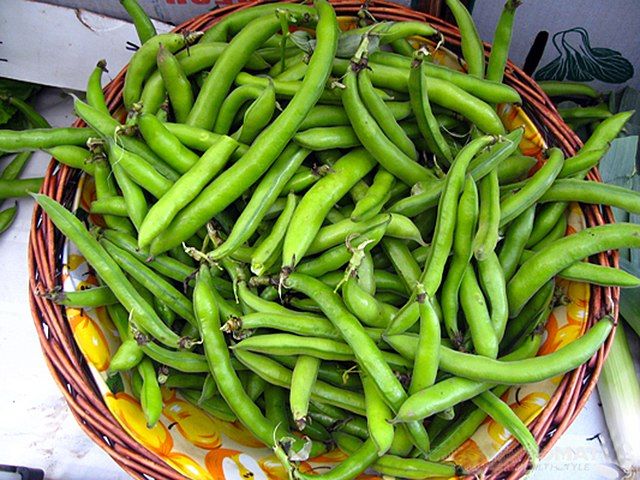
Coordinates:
71 372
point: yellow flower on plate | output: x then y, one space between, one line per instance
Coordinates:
187 466
90 338
193 423
128 412
527 409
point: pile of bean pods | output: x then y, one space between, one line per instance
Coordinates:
328 237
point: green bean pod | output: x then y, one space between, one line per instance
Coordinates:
481 166
486 238
272 244
395 466
133 195
108 129
258 115
516 238
91 297
373 138
16 166
276 374
502 41
425 367
583 191
139 170
231 24
562 253
7 216
72 156
185 189
197 59
327 138
531 370
150 394
443 235
607 131
534 188
322 348
515 168
376 196
42 138
302 379
316 203
141 21
19 187
264 150
165 144
493 284
144 60
452 390
263 197
364 305
228 65
367 354
462 237
546 218
472 48
378 417
383 115
505 416
95 95
486 90
427 122
358 461
106 188
474 306
157 285
555 88
217 357
176 82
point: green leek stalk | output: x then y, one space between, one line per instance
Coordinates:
620 396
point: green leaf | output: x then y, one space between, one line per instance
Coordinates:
6 112
14 88
630 298
618 167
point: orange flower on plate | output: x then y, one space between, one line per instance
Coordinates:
559 336
193 423
128 412
276 471
468 455
224 463
90 338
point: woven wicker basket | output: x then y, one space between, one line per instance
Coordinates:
69 368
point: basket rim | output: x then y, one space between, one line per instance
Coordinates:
78 387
